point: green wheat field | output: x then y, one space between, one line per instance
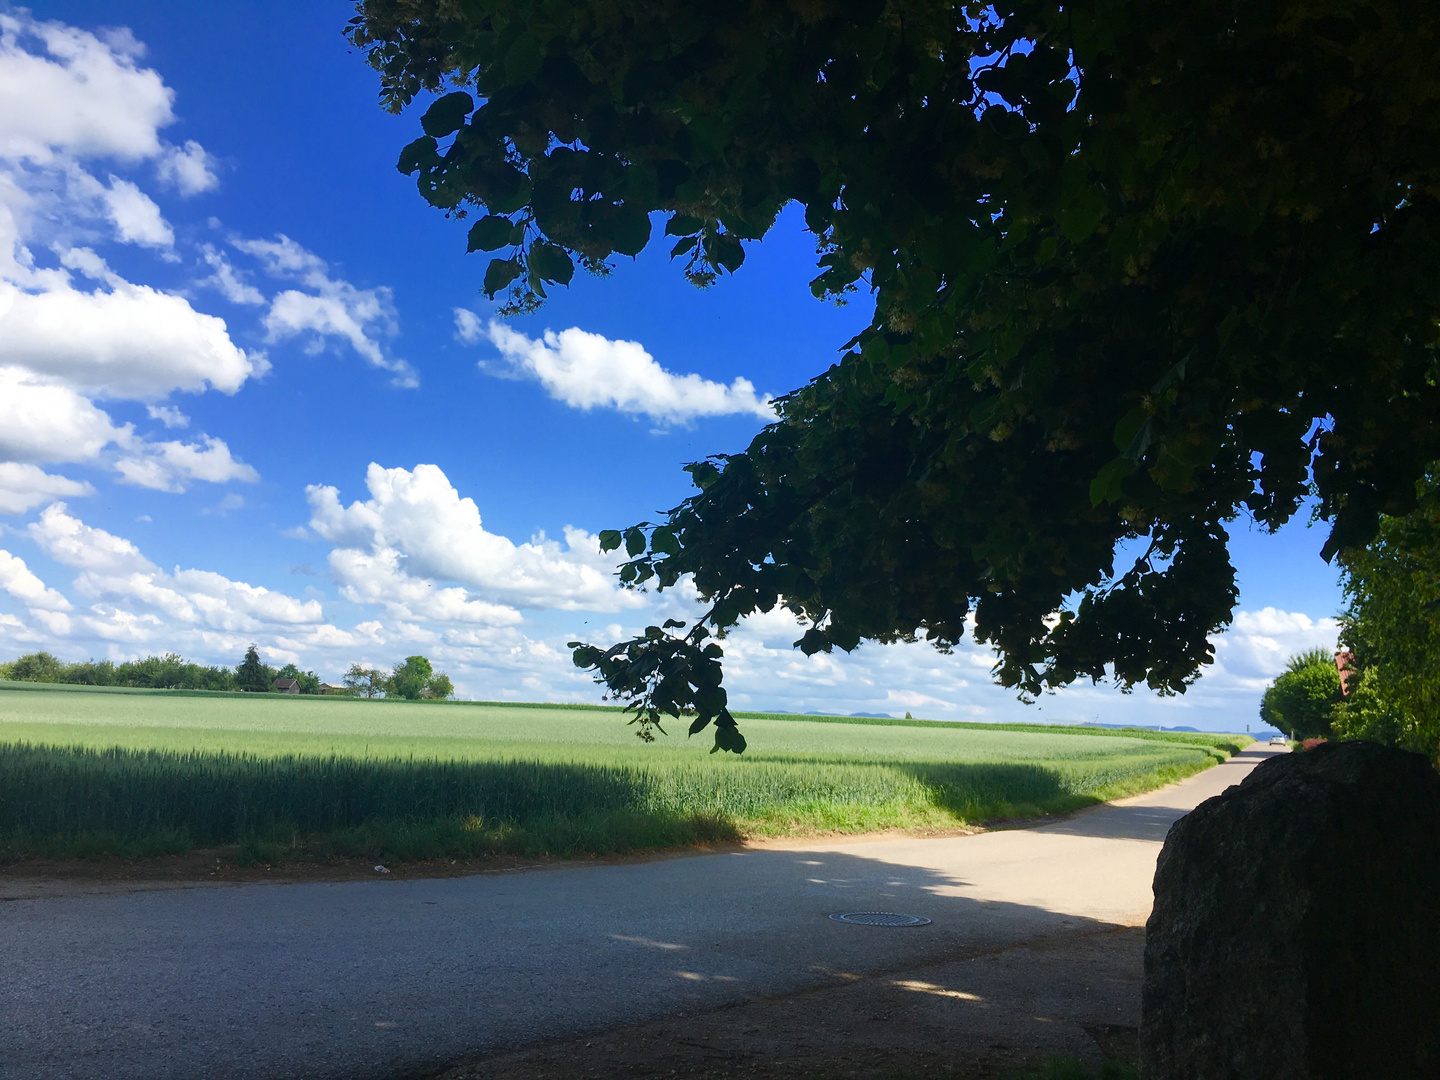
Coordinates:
88 771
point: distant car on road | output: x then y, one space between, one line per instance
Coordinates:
1278 740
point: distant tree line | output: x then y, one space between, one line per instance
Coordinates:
415 679
168 671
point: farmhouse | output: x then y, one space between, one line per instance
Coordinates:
333 688
287 686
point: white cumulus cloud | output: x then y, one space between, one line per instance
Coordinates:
69 92
230 283
377 578
188 169
171 466
1259 643
590 371
168 415
46 421
129 342
20 582
113 568
420 515
70 542
135 216
24 487
332 308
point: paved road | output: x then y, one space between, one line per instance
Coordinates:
393 978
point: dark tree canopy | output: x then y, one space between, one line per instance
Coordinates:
1137 266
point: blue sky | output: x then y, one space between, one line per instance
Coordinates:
252 382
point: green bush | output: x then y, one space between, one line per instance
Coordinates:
37 667
1302 700
1392 625
1368 713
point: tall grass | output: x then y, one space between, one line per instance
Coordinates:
57 800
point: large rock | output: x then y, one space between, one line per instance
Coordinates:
1296 928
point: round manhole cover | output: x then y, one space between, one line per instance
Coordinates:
880 918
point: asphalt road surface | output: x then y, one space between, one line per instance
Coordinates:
391 978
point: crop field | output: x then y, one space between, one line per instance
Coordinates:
88 771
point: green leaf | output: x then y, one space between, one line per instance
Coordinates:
416 154
1081 215
727 734
699 724
1132 434
710 700
634 541
551 263
609 539
489 233
500 273
725 251
447 115
630 231
1106 485
683 225
663 540
523 61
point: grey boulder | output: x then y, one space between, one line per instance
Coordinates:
1296 926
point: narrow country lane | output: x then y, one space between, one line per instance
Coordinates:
389 978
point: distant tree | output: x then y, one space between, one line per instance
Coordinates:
365 681
210 678
439 687
410 678
166 672
308 680
1302 699
91 673
37 667
252 675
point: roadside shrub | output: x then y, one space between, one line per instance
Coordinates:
1302 700
1371 712
1392 625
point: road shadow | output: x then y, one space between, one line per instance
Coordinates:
429 975
1120 823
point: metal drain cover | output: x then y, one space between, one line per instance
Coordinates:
880 918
